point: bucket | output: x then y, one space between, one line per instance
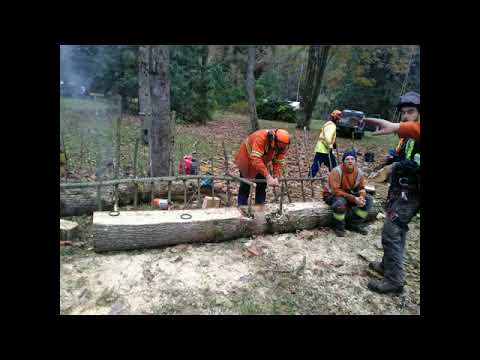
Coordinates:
162 204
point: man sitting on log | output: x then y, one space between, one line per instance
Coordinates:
257 150
347 196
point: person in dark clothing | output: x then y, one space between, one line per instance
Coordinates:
403 200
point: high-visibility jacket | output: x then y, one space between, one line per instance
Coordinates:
256 152
326 138
346 184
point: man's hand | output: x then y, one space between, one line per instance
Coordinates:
386 127
360 201
272 181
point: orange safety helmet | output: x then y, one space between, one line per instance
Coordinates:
336 114
282 136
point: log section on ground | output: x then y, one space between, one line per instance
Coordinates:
157 228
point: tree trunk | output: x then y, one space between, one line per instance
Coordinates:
160 128
203 86
77 202
317 60
250 86
150 229
144 100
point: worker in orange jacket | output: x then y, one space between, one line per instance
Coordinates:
255 153
346 195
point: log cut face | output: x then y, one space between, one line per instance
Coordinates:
152 229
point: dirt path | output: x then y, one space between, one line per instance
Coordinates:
311 272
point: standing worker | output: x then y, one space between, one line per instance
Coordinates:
256 151
326 142
382 172
403 200
347 196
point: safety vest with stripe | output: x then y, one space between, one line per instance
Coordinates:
322 145
266 149
340 172
410 150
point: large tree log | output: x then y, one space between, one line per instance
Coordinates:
77 202
151 229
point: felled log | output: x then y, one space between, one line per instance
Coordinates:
151 229
83 201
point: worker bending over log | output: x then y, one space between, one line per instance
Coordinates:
347 196
255 153
403 200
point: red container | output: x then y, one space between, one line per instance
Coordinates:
162 204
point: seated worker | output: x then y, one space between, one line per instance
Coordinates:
326 142
347 196
256 152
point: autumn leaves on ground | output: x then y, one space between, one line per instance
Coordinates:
310 272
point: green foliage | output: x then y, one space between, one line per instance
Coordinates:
374 77
276 110
268 86
239 107
223 91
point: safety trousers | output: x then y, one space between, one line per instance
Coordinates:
260 191
345 212
400 211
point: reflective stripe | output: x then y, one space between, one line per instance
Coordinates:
339 217
362 213
409 148
248 147
275 160
256 153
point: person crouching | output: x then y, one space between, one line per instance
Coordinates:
346 195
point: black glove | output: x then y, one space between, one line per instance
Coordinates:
335 146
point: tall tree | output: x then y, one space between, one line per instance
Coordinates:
317 61
250 86
145 106
160 127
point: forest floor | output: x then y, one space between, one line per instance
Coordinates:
308 272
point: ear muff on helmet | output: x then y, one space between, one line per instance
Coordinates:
282 137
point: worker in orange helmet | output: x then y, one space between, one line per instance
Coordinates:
255 153
326 142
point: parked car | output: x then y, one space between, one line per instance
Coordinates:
71 89
351 122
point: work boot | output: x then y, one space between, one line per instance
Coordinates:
376 266
339 231
384 287
357 228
